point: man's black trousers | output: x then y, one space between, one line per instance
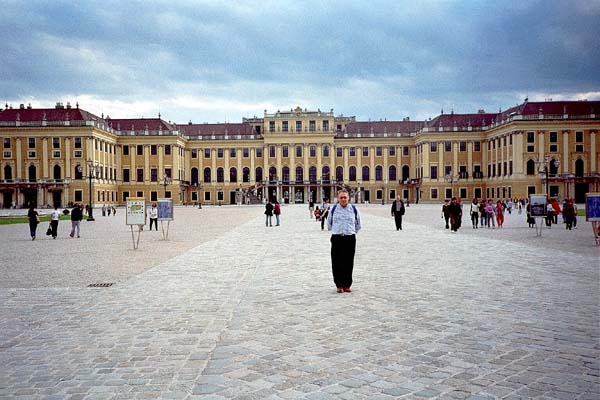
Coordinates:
342 259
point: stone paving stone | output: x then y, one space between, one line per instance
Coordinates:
252 314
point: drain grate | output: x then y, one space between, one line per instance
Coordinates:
100 284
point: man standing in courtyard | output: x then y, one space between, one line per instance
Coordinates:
76 217
344 222
398 212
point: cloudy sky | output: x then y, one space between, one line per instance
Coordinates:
210 61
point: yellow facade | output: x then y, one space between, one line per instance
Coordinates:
46 163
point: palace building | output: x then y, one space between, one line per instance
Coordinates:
64 154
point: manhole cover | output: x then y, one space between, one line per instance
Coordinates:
100 284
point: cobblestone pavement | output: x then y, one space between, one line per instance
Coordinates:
254 314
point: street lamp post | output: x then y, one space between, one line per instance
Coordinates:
93 173
451 179
546 171
166 182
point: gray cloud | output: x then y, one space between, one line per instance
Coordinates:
210 61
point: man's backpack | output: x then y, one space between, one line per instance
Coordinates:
351 205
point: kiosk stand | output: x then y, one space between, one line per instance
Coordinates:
592 213
135 215
537 210
165 213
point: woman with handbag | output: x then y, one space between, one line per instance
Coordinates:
54 217
34 220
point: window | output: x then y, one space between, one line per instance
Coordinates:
56 154
392 173
271 126
339 151
505 168
153 196
31 143
448 194
553 142
7 154
153 149
313 151
325 126
392 151
298 151
57 173
325 151
476 146
434 193
493 170
125 150
77 143
365 152
259 152
462 146
510 168
168 172
379 173
206 153
312 126
56 143
154 174
168 194
447 146
219 153
272 151
125 174
504 141
378 151
78 196
167 149
206 196
365 173
298 126
6 143
433 147
140 175
139 150
31 154
352 151
246 152
530 137
284 126
194 153
405 151
285 151
434 171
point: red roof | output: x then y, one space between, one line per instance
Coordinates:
462 121
554 108
217 129
47 114
140 124
384 126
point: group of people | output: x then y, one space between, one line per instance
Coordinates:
108 209
76 214
272 208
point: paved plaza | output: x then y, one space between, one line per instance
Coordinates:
230 309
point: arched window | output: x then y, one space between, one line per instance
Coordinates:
392 173
365 173
579 168
339 173
233 174
78 171
32 173
194 176
246 174
312 174
299 174
286 174
57 172
325 174
405 172
530 167
553 167
272 174
207 177
352 172
379 173
220 174
7 172
259 174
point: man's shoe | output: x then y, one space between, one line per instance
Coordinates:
347 290
340 290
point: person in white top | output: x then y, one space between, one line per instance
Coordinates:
153 215
54 217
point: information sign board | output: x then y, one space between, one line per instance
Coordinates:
165 209
537 205
135 211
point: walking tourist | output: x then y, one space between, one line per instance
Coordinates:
54 217
398 211
34 220
455 213
277 212
324 212
446 213
153 215
76 217
269 213
474 213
